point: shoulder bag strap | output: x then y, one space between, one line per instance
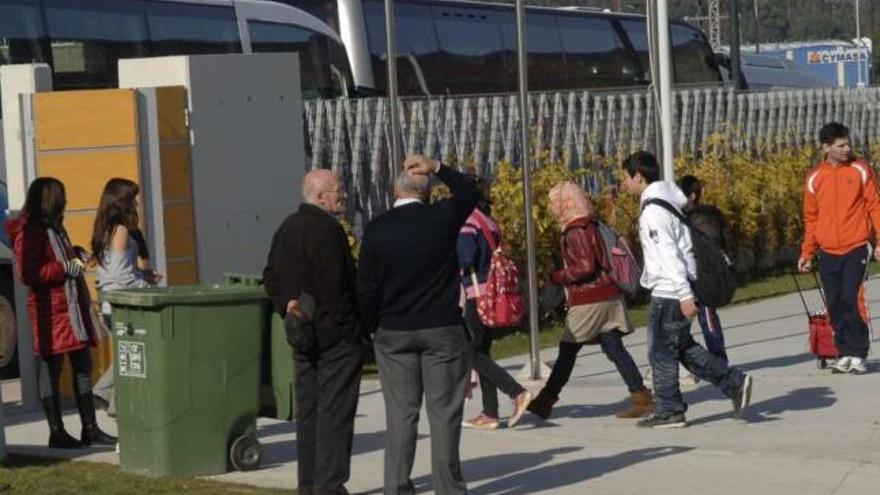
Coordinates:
487 232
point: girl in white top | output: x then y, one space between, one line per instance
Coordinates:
119 249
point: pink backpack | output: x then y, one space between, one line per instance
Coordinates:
502 304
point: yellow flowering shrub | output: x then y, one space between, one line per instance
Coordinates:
761 198
760 195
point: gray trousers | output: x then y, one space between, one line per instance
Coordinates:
434 362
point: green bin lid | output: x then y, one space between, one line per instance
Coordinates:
184 294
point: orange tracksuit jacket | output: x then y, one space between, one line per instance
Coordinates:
841 208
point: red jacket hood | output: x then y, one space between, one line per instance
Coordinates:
15 227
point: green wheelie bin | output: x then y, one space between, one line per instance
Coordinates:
187 378
277 375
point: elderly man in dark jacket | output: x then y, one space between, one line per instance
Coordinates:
408 288
310 259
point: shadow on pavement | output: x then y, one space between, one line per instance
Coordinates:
803 399
525 475
284 451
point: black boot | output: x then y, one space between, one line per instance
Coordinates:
542 405
91 434
58 436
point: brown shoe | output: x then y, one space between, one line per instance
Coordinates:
481 422
642 405
520 403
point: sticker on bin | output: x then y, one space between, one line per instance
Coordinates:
132 359
123 328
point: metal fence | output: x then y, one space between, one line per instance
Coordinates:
352 136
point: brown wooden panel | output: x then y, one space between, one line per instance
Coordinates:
79 225
84 174
171 102
182 272
176 172
180 236
102 359
85 119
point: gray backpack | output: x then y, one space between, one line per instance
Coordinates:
623 266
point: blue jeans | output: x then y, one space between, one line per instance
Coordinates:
673 343
713 334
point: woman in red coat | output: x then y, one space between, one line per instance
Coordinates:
58 308
596 309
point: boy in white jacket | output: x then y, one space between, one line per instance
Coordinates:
669 267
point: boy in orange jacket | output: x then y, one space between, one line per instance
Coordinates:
841 218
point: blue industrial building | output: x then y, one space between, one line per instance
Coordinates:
839 63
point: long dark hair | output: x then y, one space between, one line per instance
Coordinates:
117 208
45 202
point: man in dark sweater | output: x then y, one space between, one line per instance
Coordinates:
310 255
408 290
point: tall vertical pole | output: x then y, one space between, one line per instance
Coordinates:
874 34
391 61
522 58
735 41
757 28
664 60
859 46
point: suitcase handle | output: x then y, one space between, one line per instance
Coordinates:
801 292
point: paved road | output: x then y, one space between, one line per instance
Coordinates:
808 431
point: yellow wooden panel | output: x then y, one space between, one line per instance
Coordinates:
182 272
79 225
176 175
102 359
171 102
85 119
84 174
180 235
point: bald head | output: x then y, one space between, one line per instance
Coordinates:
322 188
410 185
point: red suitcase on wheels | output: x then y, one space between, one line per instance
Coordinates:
821 338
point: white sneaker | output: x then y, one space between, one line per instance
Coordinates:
842 365
857 366
686 379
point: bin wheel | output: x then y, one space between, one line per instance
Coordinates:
821 363
245 453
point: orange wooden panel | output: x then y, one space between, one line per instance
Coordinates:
85 119
84 174
102 359
176 172
183 272
180 235
172 103
79 225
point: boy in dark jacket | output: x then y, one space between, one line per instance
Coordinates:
710 221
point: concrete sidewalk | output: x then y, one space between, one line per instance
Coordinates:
807 432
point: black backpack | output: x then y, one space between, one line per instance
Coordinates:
716 278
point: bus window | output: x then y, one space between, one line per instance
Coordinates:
340 68
418 61
546 62
692 56
316 71
326 10
473 55
22 36
186 29
594 54
88 37
637 32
